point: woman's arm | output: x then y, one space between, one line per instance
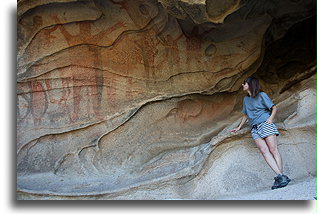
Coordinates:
271 118
244 118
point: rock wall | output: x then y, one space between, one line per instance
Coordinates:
135 99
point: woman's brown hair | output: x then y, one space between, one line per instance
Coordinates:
254 86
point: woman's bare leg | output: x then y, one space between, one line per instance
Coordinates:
272 144
261 144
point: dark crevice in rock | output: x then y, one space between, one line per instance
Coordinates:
290 59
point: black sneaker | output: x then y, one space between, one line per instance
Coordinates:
287 178
284 181
276 182
280 181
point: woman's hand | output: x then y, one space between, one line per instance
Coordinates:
269 120
235 130
244 118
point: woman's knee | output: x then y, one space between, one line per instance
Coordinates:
264 150
272 144
274 150
260 143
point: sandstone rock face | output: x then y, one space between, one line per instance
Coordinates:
135 99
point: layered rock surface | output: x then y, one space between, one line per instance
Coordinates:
135 99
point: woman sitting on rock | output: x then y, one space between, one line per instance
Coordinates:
259 109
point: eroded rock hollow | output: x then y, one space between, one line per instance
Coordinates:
126 99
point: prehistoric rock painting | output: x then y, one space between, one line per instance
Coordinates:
115 97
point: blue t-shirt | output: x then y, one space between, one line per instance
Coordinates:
257 109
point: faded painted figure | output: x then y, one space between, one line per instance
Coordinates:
260 111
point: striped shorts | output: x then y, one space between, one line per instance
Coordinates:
263 130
